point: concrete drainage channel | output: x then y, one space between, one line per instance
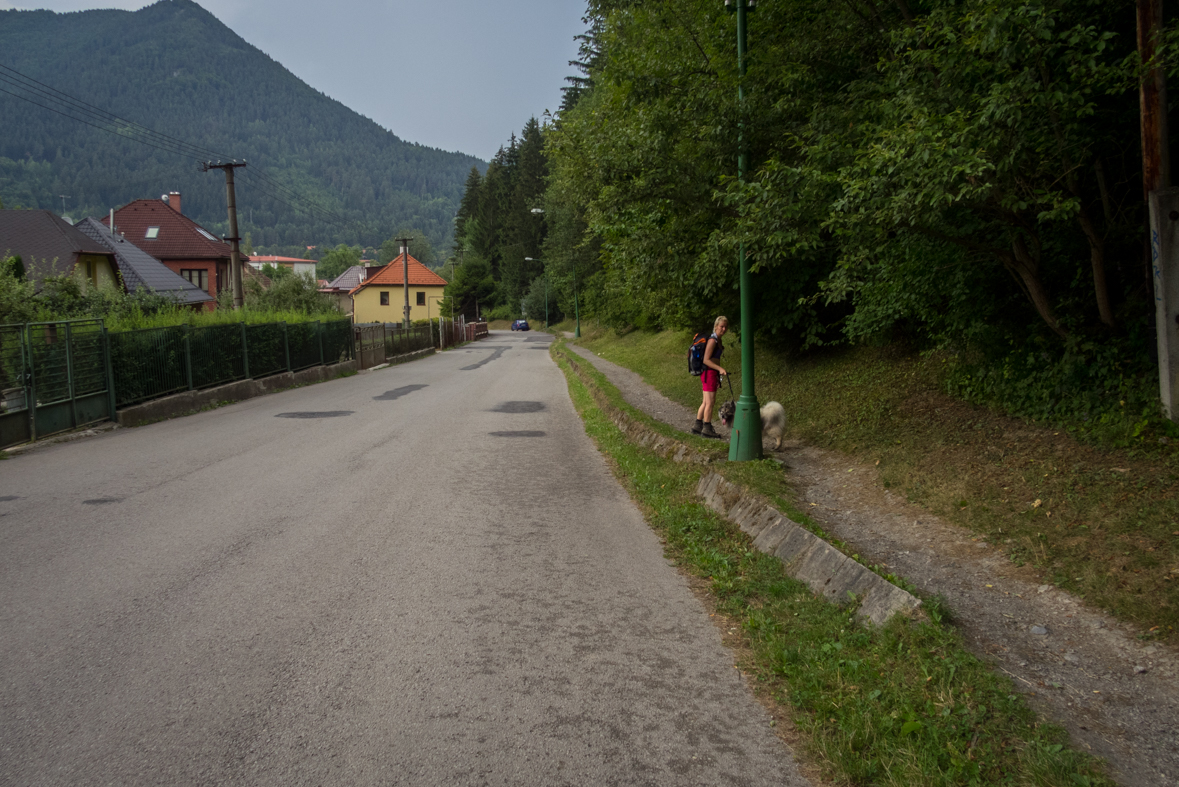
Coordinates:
808 558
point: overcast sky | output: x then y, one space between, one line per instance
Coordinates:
452 74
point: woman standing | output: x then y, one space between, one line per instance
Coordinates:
710 378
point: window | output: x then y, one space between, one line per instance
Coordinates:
384 299
199 277
152 233
92 272
421 299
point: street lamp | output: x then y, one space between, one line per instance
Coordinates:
745 442
576 310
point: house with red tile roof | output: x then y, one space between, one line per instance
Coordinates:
185 247
380 295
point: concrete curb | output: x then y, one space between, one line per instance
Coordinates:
823 568
638 433
188 401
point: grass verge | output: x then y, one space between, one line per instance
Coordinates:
903 704
1101 522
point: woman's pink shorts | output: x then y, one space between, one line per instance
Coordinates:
710 380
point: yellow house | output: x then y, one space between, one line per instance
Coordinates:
49 246
95 270
380 296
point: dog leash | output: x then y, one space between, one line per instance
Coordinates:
729 380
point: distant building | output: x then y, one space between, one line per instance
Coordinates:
295 264
380 294
340 288
49 246
185 247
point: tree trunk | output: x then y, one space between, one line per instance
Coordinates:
1097 260
1023 264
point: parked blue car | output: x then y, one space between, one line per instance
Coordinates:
520 325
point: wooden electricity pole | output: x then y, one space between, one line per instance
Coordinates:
1152 100
235 257
405 274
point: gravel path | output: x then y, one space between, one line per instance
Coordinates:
1079 667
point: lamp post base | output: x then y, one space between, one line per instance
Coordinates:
745 439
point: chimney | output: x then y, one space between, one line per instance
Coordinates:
173 200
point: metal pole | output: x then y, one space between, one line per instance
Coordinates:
245 352
576 311
745 442
69 348
110 373
1162 204
1164 246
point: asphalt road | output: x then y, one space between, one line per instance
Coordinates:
422 575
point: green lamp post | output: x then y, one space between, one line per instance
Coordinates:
745 441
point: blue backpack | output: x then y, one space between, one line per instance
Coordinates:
696 353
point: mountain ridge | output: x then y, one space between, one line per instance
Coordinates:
175 68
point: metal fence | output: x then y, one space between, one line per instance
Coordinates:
155 362
377 343
54 376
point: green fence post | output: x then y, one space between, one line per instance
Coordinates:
110 372
69 347
30 383
188 354
286 343
245 352
319 337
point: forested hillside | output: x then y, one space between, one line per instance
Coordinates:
962 175
176 69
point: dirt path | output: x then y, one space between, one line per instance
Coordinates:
1078 667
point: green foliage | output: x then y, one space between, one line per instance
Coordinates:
496 219
337 261
420 247
275 272
958 174
471 286
17 304
175 68
1106 391
290 292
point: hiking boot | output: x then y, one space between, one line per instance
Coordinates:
708 431
697 426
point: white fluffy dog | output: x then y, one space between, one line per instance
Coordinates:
773 420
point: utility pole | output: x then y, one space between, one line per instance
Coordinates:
745 441
1162 203
235 257
1152 101
405 274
